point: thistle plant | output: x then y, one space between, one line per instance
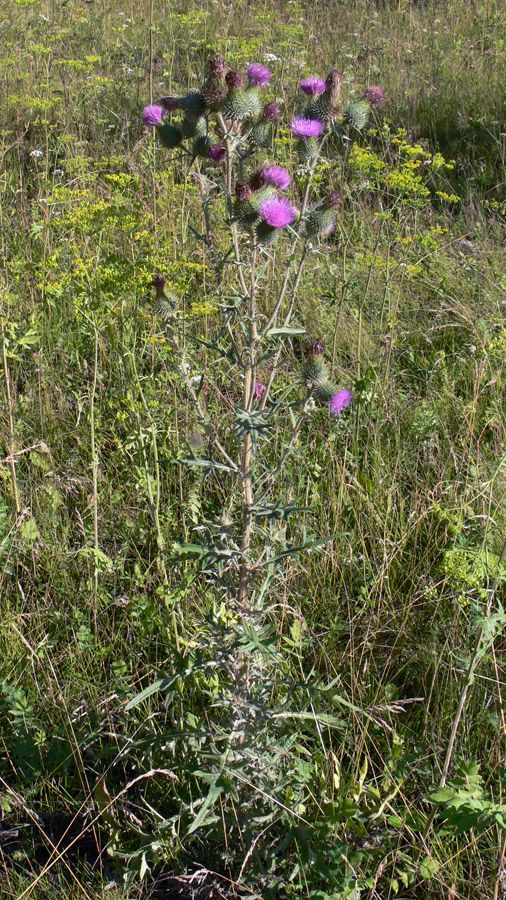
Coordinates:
274 221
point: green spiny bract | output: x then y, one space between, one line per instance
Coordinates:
308 149
169 136
261 134
320 222
327 106
164 305
324 392
193 105
240 104
194 128
215 88
259 196
243 210
202 144
357 114
265 233
321 219
315 373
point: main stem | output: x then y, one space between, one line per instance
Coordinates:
247 456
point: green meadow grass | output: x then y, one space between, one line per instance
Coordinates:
409 296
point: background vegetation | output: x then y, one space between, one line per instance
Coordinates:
375 631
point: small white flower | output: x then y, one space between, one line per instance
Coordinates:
36 154
271 57
194 379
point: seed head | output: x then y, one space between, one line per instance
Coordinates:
217 65
333 81
257 180
271 112
243 191
159 283
217 153
317 348
234 80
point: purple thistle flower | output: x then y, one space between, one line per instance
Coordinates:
313 86
306 128
339 401
152 115
258 75
278 212
278 177
375 95
216 153
271 112
259 390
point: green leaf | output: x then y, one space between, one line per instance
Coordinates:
205 813
429 867
285 329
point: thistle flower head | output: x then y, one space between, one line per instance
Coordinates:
333 81
306 128
152 115
217 153
313 86
169 103
278 177
271 112
159 283
243 190
217 65
258 75
335 200
257 180
339 401
234 80
258 390
278 212
375 95
317 348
